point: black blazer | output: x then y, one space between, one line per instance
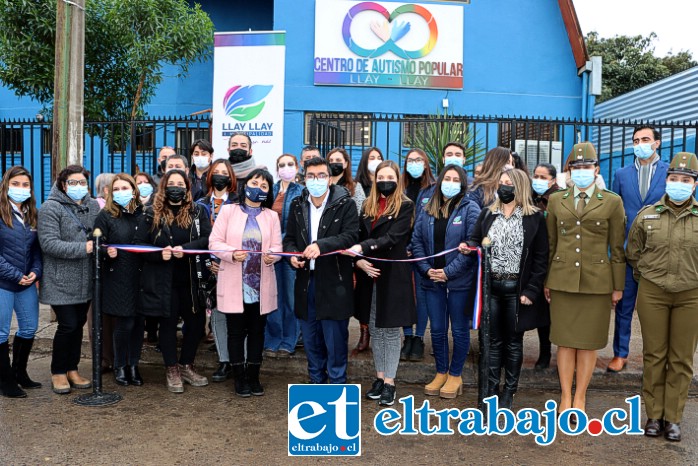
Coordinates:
388 239
532 269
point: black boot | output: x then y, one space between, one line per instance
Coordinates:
224 371
512 370
417 351
135 376
406 348
21 347
8 384
253 379
121 375
545 347
242 388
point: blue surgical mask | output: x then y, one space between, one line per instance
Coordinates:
453 160
76 193
540 186
415 169
19 195
643 151
122 197
255 194
316 187
583 177
146 189
450 188
678 191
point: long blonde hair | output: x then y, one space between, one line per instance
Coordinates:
522 192
371 206
492 168
112 207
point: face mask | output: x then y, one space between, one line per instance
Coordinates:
450 189
373 165
201 162
163 164
508 167
122 197
220 182
316 187
146 189
255 194
678 192
238 155
288 173
175 194
540 186
386 188
19 195
643 151
415 169
583 177
76 193
506 193
453 160
337 169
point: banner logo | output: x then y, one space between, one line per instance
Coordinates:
324 420
244 103
390 35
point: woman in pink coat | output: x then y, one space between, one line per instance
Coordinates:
246 281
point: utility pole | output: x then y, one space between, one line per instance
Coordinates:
68 88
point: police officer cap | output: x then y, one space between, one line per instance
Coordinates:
684 163
582 154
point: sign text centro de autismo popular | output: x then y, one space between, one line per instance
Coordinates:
386 44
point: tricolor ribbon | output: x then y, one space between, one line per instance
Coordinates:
477 310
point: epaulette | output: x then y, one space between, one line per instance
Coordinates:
611 192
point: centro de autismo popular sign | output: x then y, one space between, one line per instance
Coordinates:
388 44
248 92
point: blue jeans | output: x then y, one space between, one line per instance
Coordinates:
624 316
421 302
326 344
444 306
25 304
283 328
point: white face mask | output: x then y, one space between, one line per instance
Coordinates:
201 162
373 165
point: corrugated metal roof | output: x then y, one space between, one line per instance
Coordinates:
672 99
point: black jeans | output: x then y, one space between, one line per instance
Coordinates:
128 340
506 344
250 324
193 330
67 342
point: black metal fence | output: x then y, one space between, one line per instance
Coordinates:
109 146
535 139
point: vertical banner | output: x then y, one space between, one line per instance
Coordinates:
248 92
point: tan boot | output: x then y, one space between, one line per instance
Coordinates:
77 381
452 388
174 379
60 384
433 387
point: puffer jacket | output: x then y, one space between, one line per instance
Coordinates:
20 254
64 227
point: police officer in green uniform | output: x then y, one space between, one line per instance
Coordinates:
663 251
586 275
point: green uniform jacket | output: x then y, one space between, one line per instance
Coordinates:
586 254
663 246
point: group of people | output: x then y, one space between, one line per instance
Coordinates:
295 259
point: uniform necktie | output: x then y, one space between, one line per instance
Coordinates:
581 204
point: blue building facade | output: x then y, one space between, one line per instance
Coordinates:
519 58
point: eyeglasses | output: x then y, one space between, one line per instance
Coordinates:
76 182
321 176
415 160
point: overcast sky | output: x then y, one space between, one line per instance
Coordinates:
674 21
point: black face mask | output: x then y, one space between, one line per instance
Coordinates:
386 188
162 165
506 193
220 182
238 155
336 169
175 193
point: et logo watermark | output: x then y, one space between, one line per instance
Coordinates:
324 420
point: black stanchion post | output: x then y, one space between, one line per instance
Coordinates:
484 331
97 398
